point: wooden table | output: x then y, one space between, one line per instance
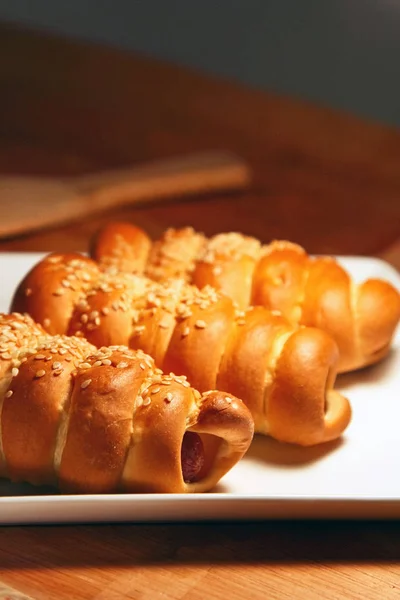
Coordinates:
326 180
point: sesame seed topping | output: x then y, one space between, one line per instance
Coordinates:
168 397
97 363
107 362
14 372
40 373
85 383
200 324
84 318
105 310
186 331
59 292
46 322
56 365
6 355
147 401
139 401
142 366
8 394
228 399
155 390
122 365
85 365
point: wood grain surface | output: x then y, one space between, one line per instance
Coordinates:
326 180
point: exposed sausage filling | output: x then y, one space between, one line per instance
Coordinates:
192 456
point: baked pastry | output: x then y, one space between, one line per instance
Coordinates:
284 374
107 420
315 292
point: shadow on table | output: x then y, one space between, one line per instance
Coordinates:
266 542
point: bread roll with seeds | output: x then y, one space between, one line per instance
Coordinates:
315 292
202 335
107 420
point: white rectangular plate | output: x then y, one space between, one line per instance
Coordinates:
356 477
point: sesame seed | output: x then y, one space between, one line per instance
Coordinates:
8 394
62 351
186 331
122 365
142 366
139 401
65 283
97 363
105 311
155 390
40 373
168 397
6 355
107 362
147 401
57 372
46 322
56 365
93 315
14 372
200 324
59 292
84 318
85 365
85 383
228 399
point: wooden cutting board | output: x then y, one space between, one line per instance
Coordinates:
29 203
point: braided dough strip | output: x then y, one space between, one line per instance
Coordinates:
107 420
315 292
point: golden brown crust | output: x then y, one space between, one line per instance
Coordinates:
51 291
301 402
174 254
227 263
198 333
281 276
122 246
96 421
250 355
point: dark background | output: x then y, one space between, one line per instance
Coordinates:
341 53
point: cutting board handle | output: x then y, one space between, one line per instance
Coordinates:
194 174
